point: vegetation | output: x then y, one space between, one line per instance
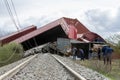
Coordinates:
114 41
10 53
112 72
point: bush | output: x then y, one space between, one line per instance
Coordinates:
115 46
10 53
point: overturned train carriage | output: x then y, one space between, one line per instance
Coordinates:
62 28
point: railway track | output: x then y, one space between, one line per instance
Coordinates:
77 76
47 67
11 75
16 69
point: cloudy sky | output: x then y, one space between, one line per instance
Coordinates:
100 16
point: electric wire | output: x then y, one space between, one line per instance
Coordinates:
19 23
12 18
7 4
16 14
10 13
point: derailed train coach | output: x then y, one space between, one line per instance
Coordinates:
65 46
60 46
73 32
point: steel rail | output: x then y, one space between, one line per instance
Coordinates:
77 75
16 69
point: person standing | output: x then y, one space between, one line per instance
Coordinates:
81 54
74 51
104 48
109 52
90 53
99 53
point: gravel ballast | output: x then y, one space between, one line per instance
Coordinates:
12 65
43 67
87 73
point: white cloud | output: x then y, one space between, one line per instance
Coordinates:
95 15
102 21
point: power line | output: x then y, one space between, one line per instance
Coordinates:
10 13
15 13
20 25
12 18
9 9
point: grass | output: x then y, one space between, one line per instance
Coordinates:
112 72
10 53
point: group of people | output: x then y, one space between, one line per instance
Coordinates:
78 53
96 52
105 52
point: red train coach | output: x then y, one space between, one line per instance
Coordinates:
17 34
